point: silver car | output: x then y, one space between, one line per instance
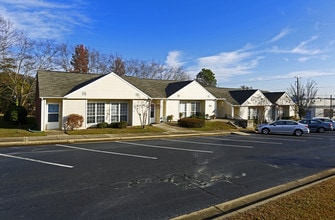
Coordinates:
283 127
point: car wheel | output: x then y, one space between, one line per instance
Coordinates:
298 132
265 131
321 130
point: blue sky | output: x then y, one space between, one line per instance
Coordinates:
264 43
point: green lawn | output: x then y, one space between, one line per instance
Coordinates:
215 126
14 130
10 129
135 129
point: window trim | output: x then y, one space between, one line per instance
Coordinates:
95 113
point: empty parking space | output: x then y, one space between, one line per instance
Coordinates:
35 161
164 147
106 152
207 143
142 149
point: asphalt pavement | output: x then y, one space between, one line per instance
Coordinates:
59 137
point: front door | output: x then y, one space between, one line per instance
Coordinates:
53 116
152 113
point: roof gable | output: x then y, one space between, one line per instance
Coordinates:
279 98
110 86
175 86
190 90
273 96
242 95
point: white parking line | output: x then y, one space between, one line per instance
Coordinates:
107 152
240 140
202 143
37 161
168 148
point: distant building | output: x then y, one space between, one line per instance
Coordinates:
322 107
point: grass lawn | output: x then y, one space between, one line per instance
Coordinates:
9 129
215 125
314 202
135 129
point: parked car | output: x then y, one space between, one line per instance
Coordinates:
327 120
316 125
283 127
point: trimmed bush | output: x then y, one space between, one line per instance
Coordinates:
16 114
122 124
191 122
102 125
74 121
169 118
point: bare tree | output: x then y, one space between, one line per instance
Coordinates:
20 59
9 36
142 108
244 87
154 70
63 59
303 95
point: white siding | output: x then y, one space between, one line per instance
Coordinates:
110 86
135 116
193 91
172 108
74 107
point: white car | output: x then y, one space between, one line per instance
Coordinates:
283 127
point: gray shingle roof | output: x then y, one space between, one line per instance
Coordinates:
223 93
152 87
58 84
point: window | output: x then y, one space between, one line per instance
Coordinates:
183 109
189 108
195 108
53 112
95 112
119 112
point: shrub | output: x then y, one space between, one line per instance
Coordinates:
169 118
198 115
74 121
122 124
191 122
102 125
16 114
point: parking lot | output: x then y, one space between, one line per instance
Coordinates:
152 179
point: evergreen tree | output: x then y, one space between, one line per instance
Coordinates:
206 78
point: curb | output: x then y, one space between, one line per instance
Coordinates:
228 207
25 140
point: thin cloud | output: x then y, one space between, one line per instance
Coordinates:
303 48
45 19
227 64
281 35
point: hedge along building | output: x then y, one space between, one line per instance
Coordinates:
111 98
